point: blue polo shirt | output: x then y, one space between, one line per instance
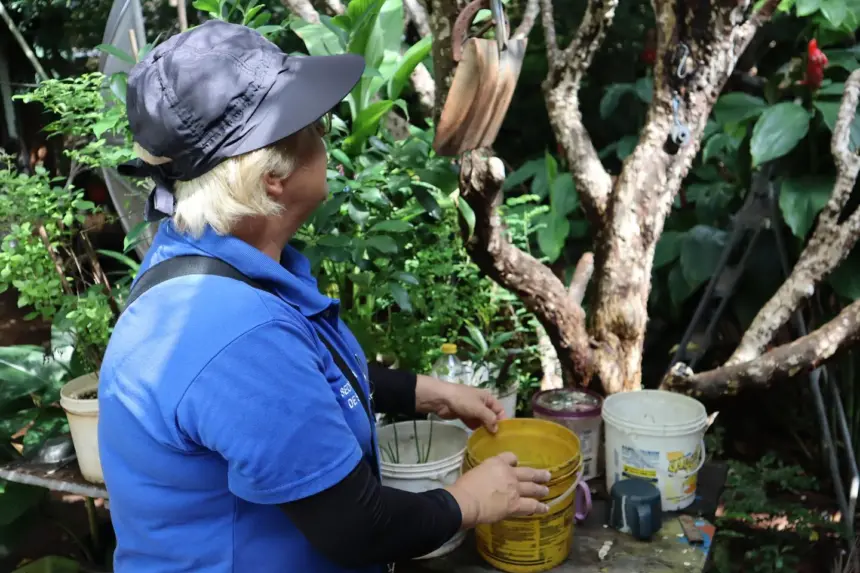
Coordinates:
218 402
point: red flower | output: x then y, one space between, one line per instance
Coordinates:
816 61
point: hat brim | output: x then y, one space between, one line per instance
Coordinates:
306 90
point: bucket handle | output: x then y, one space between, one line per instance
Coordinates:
578 486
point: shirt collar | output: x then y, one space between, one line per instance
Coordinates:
291 279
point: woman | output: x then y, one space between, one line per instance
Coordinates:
235 428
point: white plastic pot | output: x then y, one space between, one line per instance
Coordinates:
443 466
509 401
83 415
657 436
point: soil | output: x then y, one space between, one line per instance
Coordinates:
88 395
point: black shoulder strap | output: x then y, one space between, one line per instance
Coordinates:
186 265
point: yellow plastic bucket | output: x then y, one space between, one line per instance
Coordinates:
540 542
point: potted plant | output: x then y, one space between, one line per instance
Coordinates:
48 255
488 365
421 455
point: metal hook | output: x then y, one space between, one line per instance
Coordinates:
684 52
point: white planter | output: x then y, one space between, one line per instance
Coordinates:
443 466
509 401
83 415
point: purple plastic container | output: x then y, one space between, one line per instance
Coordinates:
579 410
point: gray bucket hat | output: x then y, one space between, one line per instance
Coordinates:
220 90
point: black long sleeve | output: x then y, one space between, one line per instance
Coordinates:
358 522
393 390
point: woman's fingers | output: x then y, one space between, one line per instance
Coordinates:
530 506
509 458
531 489
533 475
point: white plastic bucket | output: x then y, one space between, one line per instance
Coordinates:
443 466
657 436
577 410
83 418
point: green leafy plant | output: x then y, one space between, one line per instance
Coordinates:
372 29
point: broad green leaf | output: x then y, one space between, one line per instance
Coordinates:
209 6
336 241
133 265
626 145
134 236
563 197
319 40
24 370
326 210
401 297
807 7
269 30
801 199
393 226
366 124
468 215
779 129
405 277
679 289
116 53
834 89
701 249
382 243
51 564
830 111
102 125
834 10
357 213
552 236
51 422
526 171
11 424
363 14
413 56
477 339
119 85
612 98
668 248
736 107
644 89
428 201
342 158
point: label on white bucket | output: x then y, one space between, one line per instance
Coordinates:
643 464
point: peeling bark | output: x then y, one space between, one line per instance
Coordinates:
550 364
303 9
628 214
829 245
806 353
481 177
417 14
561 92
652 175
443 14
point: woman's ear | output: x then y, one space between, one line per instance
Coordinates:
275 186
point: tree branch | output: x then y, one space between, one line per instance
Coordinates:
581 275
303 9
803 354
530 15
561 92
417 14
829 245
481 178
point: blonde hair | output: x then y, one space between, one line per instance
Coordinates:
232 190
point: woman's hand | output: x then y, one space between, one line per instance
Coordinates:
474 406
497 489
